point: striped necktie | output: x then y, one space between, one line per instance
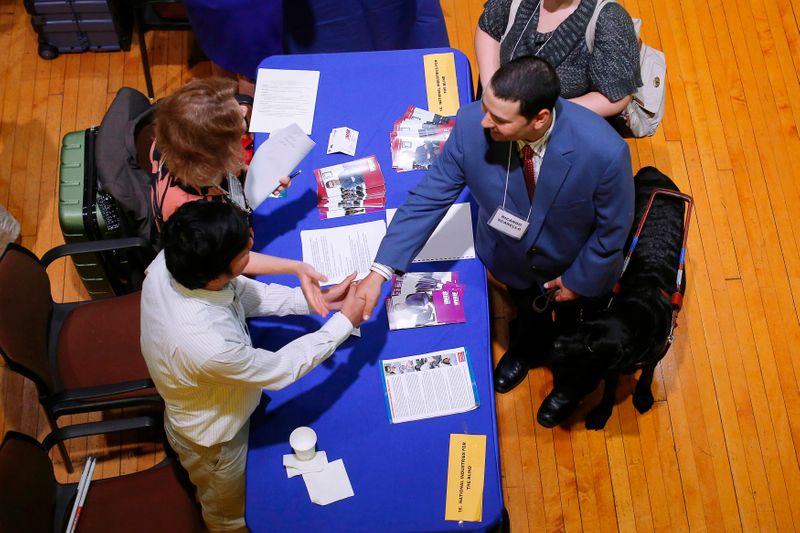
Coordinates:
529 170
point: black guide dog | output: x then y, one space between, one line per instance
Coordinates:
632 332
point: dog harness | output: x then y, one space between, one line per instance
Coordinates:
676 298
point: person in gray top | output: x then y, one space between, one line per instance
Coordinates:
555 30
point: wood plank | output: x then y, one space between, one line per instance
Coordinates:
540 383
707 366
11 97
33 166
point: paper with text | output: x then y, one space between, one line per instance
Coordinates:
452 238
276 157
338 252
465 475
441 83
429 385
283 97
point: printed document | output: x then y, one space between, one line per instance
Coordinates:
338 252
466 468
452 238
276 157
283 97
429 385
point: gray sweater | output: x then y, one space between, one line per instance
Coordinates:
613 67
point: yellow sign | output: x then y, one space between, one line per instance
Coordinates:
465 471
441 84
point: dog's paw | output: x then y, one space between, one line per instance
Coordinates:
643 401
597 418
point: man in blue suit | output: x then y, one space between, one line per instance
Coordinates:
554 186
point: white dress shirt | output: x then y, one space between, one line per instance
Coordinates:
539 147
200 356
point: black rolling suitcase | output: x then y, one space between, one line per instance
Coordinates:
104 195
80 25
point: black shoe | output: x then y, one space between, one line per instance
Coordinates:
510 371
556 408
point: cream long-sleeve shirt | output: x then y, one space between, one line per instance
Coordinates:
200 356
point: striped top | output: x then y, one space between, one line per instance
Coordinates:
198 350
613 67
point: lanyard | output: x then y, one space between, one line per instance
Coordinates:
505 191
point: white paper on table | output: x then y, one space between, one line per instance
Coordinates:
452 238
338 252
276 157
296 467
283 97
329 485
343 140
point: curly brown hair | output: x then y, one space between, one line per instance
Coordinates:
198 131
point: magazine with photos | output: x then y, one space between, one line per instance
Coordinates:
419 299
350 188
429 385
415 153
417 138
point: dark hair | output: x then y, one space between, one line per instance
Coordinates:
201 239
529 80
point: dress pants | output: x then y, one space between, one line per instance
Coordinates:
532 332
218 473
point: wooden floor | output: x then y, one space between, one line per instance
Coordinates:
719 450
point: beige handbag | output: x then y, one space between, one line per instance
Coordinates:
646 109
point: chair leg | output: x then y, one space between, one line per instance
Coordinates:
61 448
145 60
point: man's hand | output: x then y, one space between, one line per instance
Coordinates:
334 297
353 304
369 289
309 282
563 294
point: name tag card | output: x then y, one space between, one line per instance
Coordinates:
441 84
465 474
508 223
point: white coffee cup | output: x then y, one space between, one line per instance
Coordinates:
304 443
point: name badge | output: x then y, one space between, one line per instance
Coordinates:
508 223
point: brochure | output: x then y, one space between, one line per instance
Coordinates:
419 299
429 385
417 138
350 188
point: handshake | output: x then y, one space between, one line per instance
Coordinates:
355 299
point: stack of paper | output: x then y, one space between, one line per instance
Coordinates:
351 188
419 299
417 138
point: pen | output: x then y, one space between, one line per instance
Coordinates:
294 174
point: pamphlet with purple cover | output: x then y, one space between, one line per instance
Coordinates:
421 299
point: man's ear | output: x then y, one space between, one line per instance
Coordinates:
541 119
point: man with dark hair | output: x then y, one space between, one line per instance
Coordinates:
554 187
198 350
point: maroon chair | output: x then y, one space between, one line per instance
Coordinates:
159 498
82 356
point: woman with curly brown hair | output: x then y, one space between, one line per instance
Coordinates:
198 153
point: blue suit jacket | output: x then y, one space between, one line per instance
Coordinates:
582 212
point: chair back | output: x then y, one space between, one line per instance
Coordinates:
27 486
25 310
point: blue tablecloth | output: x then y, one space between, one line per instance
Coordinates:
398 472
